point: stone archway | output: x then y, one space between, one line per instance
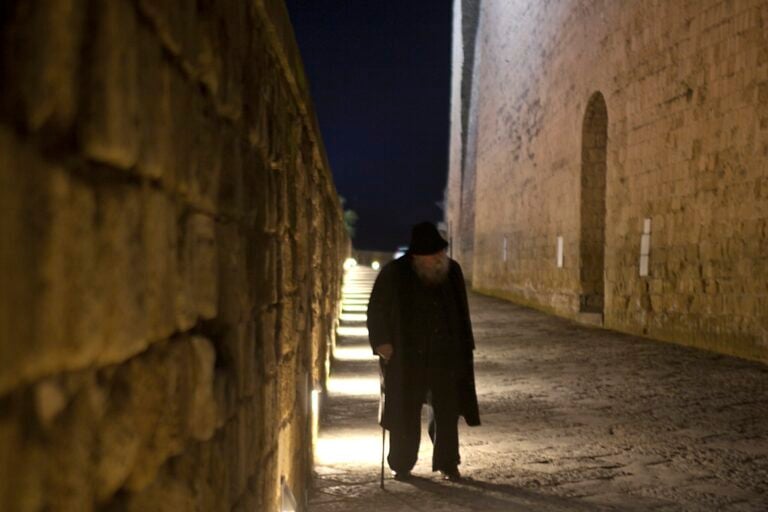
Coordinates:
593 179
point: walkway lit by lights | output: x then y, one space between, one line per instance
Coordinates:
354 307
355 353
352 331
347 448
355 447
353 317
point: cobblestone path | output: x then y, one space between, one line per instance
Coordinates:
574 419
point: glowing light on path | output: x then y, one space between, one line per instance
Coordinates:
352 331
349 449
353 354
353 317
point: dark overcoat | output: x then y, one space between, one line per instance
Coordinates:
389 321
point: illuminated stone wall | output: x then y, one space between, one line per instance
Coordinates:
682 147
170 258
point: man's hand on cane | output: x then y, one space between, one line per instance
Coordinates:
385 351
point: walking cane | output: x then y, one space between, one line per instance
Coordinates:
383 434
382 362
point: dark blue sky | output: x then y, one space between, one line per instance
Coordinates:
379 73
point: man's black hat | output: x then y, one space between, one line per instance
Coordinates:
425 239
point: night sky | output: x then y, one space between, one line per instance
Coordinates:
379 74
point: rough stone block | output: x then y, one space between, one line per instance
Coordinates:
41 51
177 26
169 402
22 477
230 197
167 493
196 275
160 245
19 254
110 125
202 413
157 157
118 278
78 275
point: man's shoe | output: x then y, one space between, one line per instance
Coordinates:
452 474
402 476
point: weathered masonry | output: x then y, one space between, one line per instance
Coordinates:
170 260
609 163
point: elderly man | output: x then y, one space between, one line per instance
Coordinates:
418 323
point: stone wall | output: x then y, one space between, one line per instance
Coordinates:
685 153
171 256
460 187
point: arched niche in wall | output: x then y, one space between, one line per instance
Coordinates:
593 177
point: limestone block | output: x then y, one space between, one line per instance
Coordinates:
177 26
170 401
238 345
210 158
119 447
269 285
185 105
268 483
225 393
272 204
230 38
202 413
19 255
278 133
197 140
233 299
109 128
22 463
257 82
194 468
42 54
50 400
230 197
206 65
76 269
165 494
287 263
267 347
288 386
157 157
242 462
70 447
267 405
255 202
196 274
160 234
118 277
289 336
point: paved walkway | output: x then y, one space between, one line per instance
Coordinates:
574 419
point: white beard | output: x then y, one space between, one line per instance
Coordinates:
434 274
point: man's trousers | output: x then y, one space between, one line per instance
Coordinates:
439 389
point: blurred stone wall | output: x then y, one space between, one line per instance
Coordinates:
170 259
460 185
685 86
